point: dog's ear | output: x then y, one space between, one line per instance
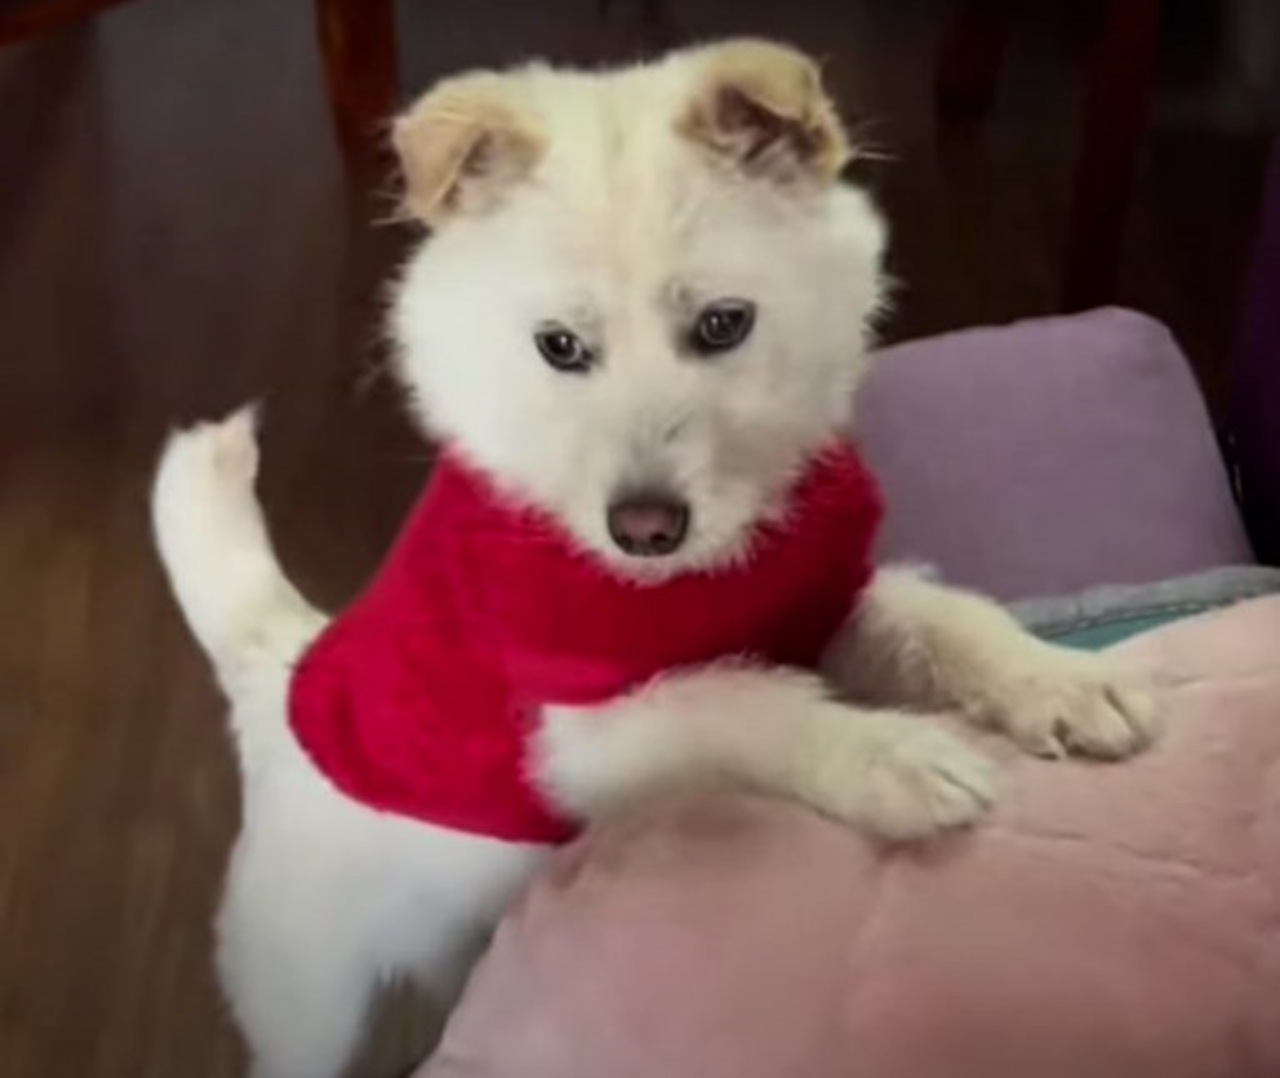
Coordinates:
761 106
463 144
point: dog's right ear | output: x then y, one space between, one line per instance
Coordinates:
762 108
462 144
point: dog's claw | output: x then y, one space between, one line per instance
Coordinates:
925 782
1064 703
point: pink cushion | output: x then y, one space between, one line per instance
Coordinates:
1114 922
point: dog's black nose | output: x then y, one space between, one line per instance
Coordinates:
649 524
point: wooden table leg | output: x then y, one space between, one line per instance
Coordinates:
358 49
1113 122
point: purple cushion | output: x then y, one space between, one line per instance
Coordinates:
1049 456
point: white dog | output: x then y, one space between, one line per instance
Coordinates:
652 275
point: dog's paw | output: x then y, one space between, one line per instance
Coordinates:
920 781
1055 703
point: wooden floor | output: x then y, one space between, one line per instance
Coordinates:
177 236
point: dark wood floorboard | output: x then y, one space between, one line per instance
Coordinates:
177 236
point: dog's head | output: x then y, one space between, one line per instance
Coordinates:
645 298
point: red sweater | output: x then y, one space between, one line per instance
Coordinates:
421 697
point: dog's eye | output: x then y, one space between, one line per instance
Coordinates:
723 326
564 350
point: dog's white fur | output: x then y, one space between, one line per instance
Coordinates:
614 204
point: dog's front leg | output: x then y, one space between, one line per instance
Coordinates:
923 645
892 774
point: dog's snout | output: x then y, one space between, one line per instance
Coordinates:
649 524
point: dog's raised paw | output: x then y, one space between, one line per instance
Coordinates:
1061 703
227 449
203 505
924 782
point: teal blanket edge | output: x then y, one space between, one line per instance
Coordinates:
1100 617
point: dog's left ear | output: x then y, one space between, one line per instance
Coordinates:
761 107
